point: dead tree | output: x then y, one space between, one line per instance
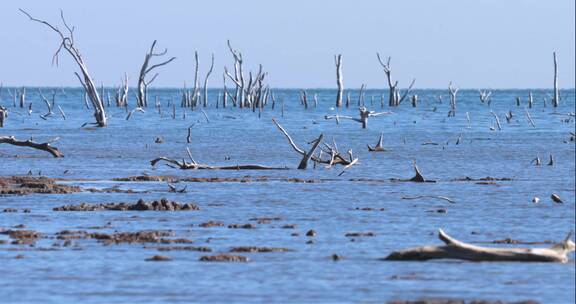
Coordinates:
122 93
455 249
238 78
336 158
22 97
194 99
364 115
306 156
3 115
530 100
556 97
453 91
11 140
394 99
67 43
205 97
338 62
143 84
485 96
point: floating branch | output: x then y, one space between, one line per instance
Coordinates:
11 140
455 249
378 147
429 196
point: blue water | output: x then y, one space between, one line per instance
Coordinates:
92 273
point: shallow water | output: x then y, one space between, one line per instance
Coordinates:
92 273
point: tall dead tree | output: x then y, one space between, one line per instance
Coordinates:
556 98
67 43
238 75
395 98
143 84
122 93
205 97
338 62
196 81
453 91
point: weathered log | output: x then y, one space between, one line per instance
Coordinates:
455 249
195 166
11 140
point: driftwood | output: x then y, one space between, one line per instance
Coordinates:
378 147
332 150
429 196
67 44
306 156
196 166
455 249
11 140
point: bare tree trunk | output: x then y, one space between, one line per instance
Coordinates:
67 43
196 82
338 62
556 98
453 91
143 84
206 82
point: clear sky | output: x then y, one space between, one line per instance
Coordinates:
484 43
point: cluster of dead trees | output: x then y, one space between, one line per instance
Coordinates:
250 91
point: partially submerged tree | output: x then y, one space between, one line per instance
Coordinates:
395 98
143 84
556 97
67 43
364 115
338 62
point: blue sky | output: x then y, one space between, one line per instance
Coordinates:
488 43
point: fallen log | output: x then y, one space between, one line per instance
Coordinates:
183 165
455 249
11 140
